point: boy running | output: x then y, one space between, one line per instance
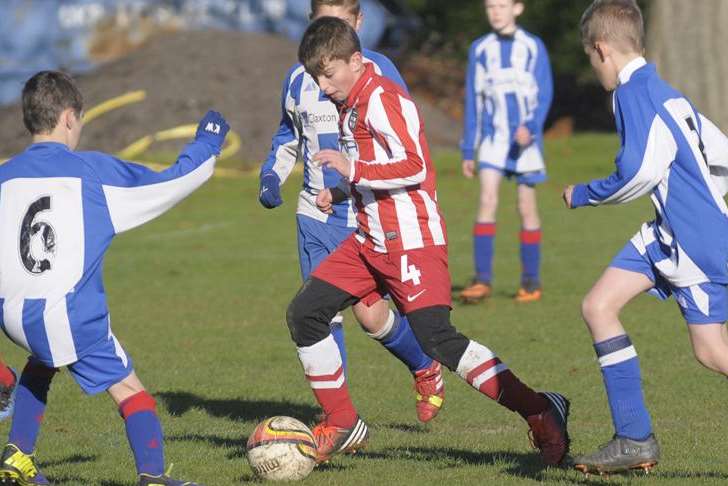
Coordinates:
668 151
310 123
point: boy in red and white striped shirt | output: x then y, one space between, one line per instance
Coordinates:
399 248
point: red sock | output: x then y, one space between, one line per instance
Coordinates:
325 373
7 378
485 372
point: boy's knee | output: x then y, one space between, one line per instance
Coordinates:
594 308
307 321
437 336
489 201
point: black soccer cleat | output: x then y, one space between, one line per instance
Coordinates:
620 455
548 429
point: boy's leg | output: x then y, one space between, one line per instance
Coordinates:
710 345
530 237
18 461
633 445
314 245
484 231
8 382
393 331
705 309
545 413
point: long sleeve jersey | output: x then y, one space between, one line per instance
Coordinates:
309 124
679 158
392 175
59 211
508 84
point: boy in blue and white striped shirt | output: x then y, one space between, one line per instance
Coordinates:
677 156
508 92
59 211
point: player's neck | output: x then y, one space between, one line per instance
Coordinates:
622 60
508 31
56 136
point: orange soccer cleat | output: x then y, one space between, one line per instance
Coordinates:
475 292
331 440
430 389
524 295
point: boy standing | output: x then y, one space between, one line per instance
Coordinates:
59 211
310 123
508 92
399 248
668 150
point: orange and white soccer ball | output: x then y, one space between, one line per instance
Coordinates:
282 449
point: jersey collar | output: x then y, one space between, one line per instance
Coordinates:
627 71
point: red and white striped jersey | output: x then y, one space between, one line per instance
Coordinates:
392 176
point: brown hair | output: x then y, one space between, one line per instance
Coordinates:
618 22
327 39
45 96
352 5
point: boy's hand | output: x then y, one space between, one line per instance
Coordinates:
270 190
334 160
567 195
212 129
469 168
524 137
324 201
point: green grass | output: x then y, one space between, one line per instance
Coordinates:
198 299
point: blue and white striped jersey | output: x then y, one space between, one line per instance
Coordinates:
309 124
59 211
508 84
679 157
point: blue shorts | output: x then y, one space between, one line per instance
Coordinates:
106 365
705 303
530 179
316 241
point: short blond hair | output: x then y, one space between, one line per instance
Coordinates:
352 5
618 22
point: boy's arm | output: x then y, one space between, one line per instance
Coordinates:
136 194
646 154
545 82
470 119
285 149
395 123
716 152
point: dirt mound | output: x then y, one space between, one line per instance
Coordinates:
184 74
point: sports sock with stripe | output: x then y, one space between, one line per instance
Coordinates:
483 240
485 372
530 258
622 380
144 432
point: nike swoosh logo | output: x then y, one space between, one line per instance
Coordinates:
412 298
264 190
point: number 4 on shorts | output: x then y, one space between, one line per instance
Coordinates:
409 272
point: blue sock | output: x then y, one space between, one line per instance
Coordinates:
399 340
483 238
144 433
337 331
530 258
30 404
622 379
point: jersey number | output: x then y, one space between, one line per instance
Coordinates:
37 240
701 145
409 272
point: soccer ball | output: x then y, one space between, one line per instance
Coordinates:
282 449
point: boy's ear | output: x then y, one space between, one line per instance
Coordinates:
356 61
518 8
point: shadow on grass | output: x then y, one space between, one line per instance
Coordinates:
413 428
179 402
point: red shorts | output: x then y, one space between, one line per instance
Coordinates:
415 279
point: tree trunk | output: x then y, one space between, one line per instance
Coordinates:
687 39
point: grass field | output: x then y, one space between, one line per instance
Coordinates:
198 299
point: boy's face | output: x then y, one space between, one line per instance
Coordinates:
502 14
342 13
603 65
338 77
